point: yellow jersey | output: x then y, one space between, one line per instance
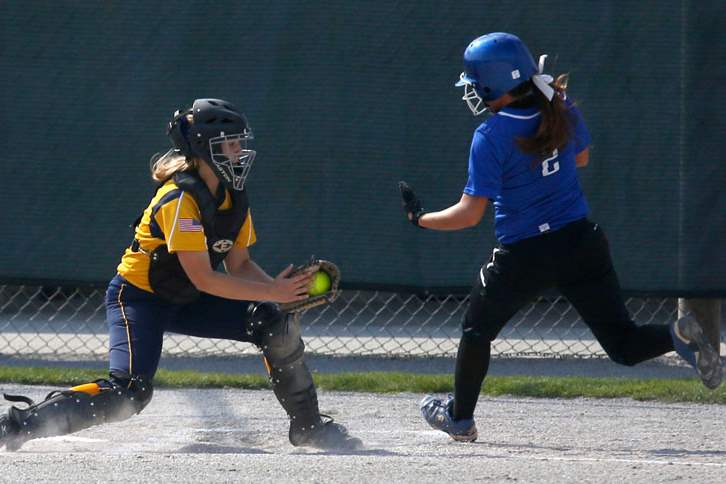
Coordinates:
173 218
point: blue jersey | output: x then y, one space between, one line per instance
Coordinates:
531 195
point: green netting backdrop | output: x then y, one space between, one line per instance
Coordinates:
345 99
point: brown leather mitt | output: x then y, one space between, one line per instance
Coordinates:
311 301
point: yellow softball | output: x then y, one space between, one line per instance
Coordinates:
320 284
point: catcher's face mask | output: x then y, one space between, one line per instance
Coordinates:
231 159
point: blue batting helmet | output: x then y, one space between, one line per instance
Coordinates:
496 63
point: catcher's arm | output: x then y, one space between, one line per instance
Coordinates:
239 264
284 288
315 265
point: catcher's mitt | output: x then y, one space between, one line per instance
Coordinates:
312 301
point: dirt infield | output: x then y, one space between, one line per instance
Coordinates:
240 435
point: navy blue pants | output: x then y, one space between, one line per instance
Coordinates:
137 321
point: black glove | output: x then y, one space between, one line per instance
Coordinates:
411 203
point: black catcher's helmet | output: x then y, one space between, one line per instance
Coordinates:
217 132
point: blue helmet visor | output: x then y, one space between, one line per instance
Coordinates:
464 79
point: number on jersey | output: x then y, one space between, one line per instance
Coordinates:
551 165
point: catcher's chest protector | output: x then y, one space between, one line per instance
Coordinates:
221 228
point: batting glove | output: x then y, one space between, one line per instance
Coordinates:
411 204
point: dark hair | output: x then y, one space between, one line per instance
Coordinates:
555 126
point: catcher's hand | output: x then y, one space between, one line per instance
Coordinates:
411 203
312 301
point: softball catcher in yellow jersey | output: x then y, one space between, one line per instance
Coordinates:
198 220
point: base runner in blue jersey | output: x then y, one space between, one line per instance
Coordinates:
524 159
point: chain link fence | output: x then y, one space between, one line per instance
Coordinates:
63 323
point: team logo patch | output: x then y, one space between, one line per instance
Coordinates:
222 245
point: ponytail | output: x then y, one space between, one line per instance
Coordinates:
164 166
555 127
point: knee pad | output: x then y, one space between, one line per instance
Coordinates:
276 334
129 395
263 314
68 411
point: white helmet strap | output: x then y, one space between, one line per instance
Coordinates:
542 81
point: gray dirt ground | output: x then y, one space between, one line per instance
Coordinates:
240 436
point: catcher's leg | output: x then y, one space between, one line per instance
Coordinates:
279 337
65 412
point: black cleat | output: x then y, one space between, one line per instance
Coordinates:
325 435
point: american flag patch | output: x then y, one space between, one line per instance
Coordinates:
189 225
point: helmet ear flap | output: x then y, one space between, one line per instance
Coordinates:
178 131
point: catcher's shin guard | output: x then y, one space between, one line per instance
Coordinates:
65 412
279 337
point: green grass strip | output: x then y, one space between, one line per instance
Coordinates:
665 390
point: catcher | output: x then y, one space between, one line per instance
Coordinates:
198 219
